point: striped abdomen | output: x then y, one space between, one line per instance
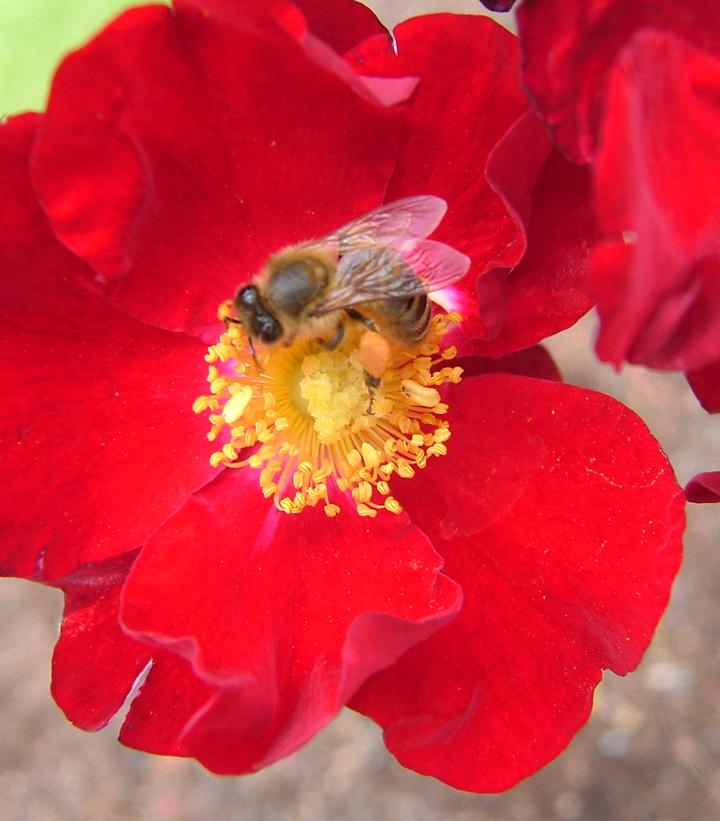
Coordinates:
404 319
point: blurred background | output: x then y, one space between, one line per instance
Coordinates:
651 751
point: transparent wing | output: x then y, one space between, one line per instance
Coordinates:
404 267
410 217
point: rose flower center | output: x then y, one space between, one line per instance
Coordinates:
307 416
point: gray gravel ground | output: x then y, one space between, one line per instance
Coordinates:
651 751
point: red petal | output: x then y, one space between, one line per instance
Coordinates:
536 362
180 221
95 664
342 23
564 533
705 487
546 292
569 49
706 386
286 615
514 165
98 436
321 30
657 169
167 703
467 99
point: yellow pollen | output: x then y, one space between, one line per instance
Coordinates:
306 420
336 394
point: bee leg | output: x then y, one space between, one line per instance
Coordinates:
231 320
373 383
254 355
335 339
358 317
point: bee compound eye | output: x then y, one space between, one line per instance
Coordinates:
247 295
267 329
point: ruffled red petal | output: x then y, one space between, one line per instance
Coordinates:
657 278
342 23
321 30
285 615
536 362
703 488
99 440
563 527
547 291
248 13
164 709
179 151
705 383
569 49
95 664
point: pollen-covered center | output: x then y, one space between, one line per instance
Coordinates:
337 396
313 422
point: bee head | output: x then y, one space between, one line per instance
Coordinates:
258 321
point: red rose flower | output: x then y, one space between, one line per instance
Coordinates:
180 148
634 90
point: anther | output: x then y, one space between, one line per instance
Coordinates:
370 455
419 394
365 510
237 404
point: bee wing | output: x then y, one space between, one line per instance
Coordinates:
410 217
403 267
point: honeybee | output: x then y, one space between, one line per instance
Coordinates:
377 270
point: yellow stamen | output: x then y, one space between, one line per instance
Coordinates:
237 404
312 423
419 394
